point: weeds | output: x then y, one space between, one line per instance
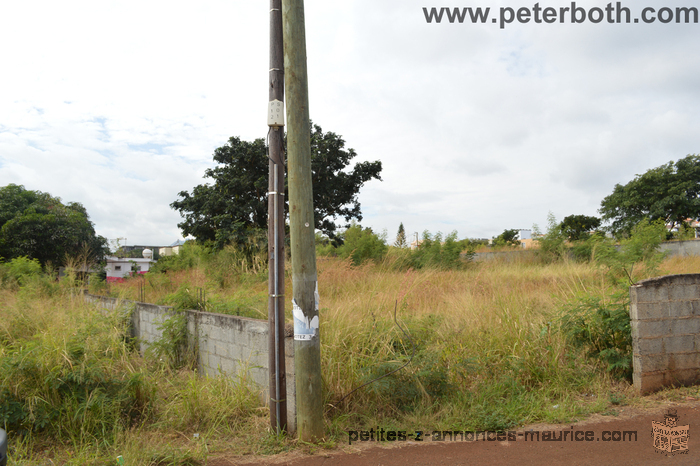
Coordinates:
73 388
173 349
602 327
495 347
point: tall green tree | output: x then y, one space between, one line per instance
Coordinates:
577 227
36 225
670 193
401 237
507 238
234 206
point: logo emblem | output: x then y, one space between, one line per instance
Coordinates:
670 438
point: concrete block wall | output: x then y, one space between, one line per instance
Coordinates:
226 345
665 321
506 256
681 248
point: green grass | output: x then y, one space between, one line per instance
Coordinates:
73 389
488 354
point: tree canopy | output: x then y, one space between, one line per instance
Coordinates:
507 238
670 193
235 205
577 227
36 225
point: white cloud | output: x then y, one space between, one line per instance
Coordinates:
120 105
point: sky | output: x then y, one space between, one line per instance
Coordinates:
479 128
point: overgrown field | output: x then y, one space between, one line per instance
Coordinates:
489 346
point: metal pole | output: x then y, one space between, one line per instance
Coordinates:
275 222
307 344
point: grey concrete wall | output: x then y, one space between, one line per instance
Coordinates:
226 345
671 248
681 248
505 256
665 321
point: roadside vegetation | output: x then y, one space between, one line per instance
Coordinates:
489 346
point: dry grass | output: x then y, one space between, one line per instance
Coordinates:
487 354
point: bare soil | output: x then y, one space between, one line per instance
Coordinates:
605 446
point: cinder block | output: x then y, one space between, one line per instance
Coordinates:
258 359
648 346
227 334
651 293
634 298
651 329
259 375
679 344
687 326
650 363
214 361
221 349
681 309
228 366
237 352
209 371
215 333
682 377
683 292
644 311
648 383
684 361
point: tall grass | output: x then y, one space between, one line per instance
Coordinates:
74 388
483 341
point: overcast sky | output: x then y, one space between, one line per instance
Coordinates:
120 105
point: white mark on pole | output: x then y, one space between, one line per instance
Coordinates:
304 329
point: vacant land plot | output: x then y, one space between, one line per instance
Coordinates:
490 346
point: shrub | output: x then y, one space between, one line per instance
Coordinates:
602 328
185 298
507 238
191 254
19 271
362 244
553 242
435 253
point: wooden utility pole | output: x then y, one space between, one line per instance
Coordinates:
307 339
275 224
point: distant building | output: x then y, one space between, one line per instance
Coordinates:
173 249
118 268
526 239
694 224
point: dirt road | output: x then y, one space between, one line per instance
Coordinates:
626 440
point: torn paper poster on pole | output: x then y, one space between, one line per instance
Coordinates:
303 328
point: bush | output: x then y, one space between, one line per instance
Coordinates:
185 298
231 263
433 252
553 242
602 328
19 271
362 244
507 238
191 254
641 248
